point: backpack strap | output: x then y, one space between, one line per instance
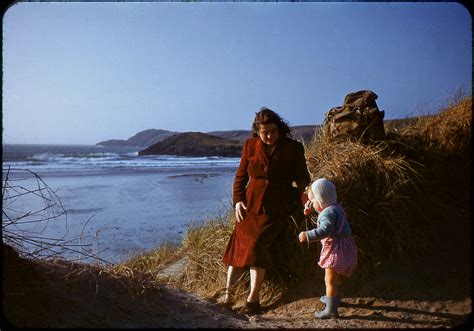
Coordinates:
341 225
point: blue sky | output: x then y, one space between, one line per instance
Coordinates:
79 73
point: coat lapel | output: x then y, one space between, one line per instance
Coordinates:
261 155
277 146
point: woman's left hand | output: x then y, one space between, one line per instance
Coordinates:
240 209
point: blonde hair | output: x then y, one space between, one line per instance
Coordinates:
308 190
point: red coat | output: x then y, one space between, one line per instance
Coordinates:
265 183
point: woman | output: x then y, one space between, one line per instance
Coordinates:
263 193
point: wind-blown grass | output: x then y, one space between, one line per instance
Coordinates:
374 186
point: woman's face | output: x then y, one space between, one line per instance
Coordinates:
268 133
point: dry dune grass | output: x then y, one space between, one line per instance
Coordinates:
205 274
153 261
59 293
448 132
374 186
204 246
382 187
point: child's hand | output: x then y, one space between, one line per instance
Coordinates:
303 237
308 208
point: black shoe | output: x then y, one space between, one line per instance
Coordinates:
226 304
251 308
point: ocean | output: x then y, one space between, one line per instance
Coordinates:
116 203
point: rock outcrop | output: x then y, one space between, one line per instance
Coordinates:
195 144
142 139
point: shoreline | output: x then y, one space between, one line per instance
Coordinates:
68 172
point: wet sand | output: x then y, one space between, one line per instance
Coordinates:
120 214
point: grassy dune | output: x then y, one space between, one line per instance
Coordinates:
398 193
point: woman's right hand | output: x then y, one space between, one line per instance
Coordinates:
240 209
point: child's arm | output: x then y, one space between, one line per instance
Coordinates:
325 227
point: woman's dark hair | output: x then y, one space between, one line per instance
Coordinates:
268 116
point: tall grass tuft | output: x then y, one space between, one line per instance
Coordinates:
205 273
155 260
442 135
374 186
203 247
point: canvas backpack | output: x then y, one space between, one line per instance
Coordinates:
358 118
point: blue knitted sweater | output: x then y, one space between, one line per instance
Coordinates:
329 221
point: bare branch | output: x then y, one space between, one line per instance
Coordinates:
31 243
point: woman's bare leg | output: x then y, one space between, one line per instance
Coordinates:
233 275
256 280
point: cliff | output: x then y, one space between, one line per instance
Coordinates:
194 144
142 139
236 135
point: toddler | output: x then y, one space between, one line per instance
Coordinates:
339 251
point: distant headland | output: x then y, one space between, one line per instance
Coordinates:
214 143
150 137
194 144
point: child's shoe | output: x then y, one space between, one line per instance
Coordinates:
332 303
